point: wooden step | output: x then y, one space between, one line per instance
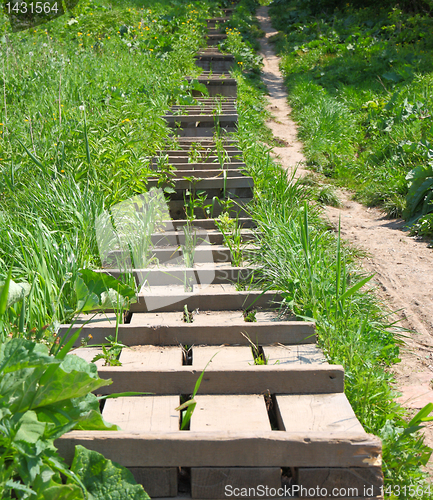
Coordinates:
202 119
177 209
210 298
210 225
202 273
159 370
238 186
208 327
215 62
331 443
211 168
215 39
197 156
217 85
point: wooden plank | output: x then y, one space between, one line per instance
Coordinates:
328 413
356 481
150 357
213 482
157 482
147 414
235 413
143 413
296 354
223 357
135 374
88 353
228 449
202 273
141 331
213 298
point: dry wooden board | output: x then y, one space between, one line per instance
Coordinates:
215 182
176 275
208 169
177 208
202 118
228 449
356 481
136 374
157 482
143 413
236 413
209 224
300 354
197 333
221 357
328 413
88 353
216 482
212 298
207 174
149 357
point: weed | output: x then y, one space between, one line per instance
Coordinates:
188 317
232 235
250 315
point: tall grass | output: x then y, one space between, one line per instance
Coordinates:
360 86
80 117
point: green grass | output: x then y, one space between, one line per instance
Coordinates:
321 279
359 81
80 118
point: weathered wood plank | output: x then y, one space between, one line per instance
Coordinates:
356 481
143 413
216 482
141 331
209 298
296 354
328 413
149 357
234 413
222 357
157 482
253 379
228 449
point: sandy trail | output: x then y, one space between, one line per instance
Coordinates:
403 266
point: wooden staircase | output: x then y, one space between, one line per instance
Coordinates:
271 411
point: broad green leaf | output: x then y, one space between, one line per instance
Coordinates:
16 292
30 429
74 378
104 479
62 492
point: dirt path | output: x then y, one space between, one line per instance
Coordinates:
403 267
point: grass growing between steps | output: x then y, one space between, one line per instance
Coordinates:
360 84
320 279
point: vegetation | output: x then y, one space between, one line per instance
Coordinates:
321 280
76 137
359 76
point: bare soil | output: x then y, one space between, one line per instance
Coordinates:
402 265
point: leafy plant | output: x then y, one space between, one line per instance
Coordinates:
232 236
42 397
187 408
250 315
420 194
